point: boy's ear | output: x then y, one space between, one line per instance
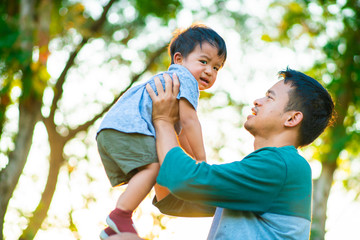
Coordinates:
178 58
293 119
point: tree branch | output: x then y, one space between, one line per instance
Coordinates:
61 80
134 79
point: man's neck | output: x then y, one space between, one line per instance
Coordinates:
275 142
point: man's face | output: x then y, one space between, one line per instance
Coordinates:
203 63
268 116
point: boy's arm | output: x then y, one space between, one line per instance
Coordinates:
184 143
193 144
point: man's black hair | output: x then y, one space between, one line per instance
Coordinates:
185 41
309 97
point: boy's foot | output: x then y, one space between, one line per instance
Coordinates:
120 221
107 232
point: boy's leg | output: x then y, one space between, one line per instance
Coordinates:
138 187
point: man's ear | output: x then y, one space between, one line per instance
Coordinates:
178 58
294 118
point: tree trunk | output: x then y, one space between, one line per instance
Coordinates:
56 141
337 139
43 13
29 115
322 188
56 161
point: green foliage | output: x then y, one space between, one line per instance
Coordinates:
166 9
9 34
332 28
68 28
10 56
340 65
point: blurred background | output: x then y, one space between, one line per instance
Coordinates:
63 63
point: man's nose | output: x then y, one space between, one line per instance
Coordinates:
257 102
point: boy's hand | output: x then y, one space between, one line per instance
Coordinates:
165 104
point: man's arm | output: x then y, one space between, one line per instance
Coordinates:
250 184
125 236
165 114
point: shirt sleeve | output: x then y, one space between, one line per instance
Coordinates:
248 185
174 206
189 88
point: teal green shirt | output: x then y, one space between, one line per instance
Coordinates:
269 180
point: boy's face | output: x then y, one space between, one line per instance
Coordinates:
203 63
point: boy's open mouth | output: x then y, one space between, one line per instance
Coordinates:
204 80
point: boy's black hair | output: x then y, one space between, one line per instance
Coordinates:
309 97
185 41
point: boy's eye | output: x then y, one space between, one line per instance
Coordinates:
203 61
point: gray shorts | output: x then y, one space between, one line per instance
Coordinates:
123 153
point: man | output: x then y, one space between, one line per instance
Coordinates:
266 195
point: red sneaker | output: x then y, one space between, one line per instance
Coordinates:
120 221
107 232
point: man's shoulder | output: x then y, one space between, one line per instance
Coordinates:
275 153
282 153
278 150
287 157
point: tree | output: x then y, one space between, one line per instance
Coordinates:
33 32
331 28
31 25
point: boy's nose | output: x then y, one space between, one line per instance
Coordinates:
208 70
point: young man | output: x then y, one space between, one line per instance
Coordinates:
266 195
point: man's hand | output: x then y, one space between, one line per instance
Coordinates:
125 236
165 104
165 114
